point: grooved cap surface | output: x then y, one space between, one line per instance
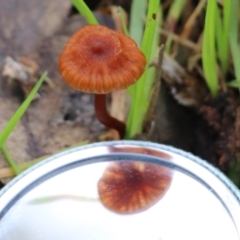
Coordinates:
99 60
131 187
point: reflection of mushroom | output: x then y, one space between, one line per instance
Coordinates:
99 60
131 187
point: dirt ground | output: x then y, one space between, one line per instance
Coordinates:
60 117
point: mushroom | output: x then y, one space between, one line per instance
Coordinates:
128 187
99 60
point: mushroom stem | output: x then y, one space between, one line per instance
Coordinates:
105 118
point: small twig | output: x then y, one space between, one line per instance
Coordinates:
178 39
192 19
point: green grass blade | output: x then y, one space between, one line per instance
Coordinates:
21 110
208 49
226 28
234 45
136 28
10 161
81 6
234 83
138 110
219 35
222 35
154 55
137 19
150 27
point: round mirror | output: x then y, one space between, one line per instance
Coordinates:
120 190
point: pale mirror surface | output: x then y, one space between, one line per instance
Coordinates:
67 207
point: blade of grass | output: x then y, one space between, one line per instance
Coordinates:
81 6
136 31
234 83
21 110
226 28
219 34
154 55
137 19
222 34
136 26
208 48
10 161
234 45
150 72
137 110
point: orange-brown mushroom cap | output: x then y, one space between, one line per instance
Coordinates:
131 187
99 60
